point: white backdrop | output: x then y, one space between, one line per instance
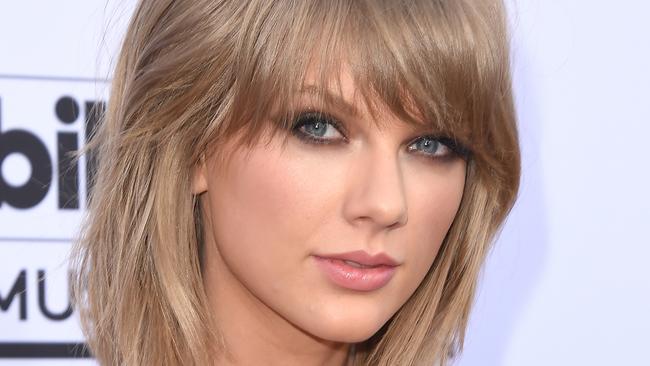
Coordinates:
568 282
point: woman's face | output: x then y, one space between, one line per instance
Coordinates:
273 212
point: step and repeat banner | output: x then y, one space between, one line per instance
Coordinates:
568 282
42 197
51 54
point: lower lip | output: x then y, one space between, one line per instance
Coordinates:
353 278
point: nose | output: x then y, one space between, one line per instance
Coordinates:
376 194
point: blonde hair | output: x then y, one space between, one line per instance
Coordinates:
191 74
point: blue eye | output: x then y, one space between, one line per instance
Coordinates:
431 146
317 127
321 128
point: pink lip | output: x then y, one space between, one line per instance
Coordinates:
364 258
354 278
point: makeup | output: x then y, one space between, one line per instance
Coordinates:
357 270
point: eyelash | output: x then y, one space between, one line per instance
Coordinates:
307 118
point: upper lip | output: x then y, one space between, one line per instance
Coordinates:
364 258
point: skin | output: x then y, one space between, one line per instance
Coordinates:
273 207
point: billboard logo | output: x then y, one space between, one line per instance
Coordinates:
67 110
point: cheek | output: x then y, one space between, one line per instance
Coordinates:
434 206
433 202
265 208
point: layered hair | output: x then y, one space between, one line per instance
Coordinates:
192 74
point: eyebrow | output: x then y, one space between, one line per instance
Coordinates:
330 98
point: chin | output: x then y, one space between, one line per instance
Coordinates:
347 328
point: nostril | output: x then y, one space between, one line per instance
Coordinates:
402 221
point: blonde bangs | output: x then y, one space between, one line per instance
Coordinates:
436 63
